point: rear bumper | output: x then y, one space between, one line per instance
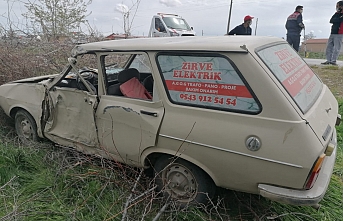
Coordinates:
303 197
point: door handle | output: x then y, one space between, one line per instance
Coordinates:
154 114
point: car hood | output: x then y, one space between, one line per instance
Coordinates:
35 79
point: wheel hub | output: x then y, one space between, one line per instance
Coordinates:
181 183
26 128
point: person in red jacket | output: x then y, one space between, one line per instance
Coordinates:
334 44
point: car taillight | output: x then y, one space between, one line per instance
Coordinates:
314 172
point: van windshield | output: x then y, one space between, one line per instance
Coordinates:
294 74
176 23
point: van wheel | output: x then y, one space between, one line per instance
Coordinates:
182 181
25 127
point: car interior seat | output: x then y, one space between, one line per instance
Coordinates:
148 83
133 88
123 76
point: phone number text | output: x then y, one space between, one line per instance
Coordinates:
208 99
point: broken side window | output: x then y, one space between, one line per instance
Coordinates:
129 75
83 71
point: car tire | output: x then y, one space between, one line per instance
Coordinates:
25 127
182 181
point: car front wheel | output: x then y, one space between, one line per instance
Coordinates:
25 127
182 181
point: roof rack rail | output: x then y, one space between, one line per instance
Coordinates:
160 13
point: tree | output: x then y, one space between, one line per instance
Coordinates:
309 36
57 17
126 12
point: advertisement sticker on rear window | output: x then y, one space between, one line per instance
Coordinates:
210 82
293 73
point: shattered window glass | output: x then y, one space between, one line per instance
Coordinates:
114 63
205 81
141 63
87 66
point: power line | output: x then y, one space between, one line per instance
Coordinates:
206 7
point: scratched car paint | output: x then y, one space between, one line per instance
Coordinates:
243 113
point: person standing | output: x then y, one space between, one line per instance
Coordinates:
243 29
294 25
334 44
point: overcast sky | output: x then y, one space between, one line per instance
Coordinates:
208 17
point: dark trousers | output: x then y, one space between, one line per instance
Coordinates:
294 41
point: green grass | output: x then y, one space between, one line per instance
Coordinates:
44 182
330 67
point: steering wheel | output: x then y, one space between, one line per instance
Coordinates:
89 76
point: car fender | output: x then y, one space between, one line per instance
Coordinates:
32 105
34 113
159 150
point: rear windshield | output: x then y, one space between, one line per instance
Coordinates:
293 73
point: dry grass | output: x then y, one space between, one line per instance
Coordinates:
332 76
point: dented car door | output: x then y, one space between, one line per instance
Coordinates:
69 110
127 125
71 120
126 128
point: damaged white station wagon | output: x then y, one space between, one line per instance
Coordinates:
240 112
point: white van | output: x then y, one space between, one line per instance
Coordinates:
169 25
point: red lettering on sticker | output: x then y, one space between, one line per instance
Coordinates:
209 66
186 74
297 81
192 74
194 66
177 73
206 76
283 54
290 65
184 66
202 66
310 88
216 76
199 75
202 88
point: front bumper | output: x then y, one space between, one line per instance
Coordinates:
303 197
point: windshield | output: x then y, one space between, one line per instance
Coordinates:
293 73
176 23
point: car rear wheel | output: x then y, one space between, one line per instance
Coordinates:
182 181
25 127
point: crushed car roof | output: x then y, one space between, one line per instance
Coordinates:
190 43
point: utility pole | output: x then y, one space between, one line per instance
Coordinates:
228 22
305 49
256 25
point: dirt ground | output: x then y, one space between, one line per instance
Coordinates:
332 76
